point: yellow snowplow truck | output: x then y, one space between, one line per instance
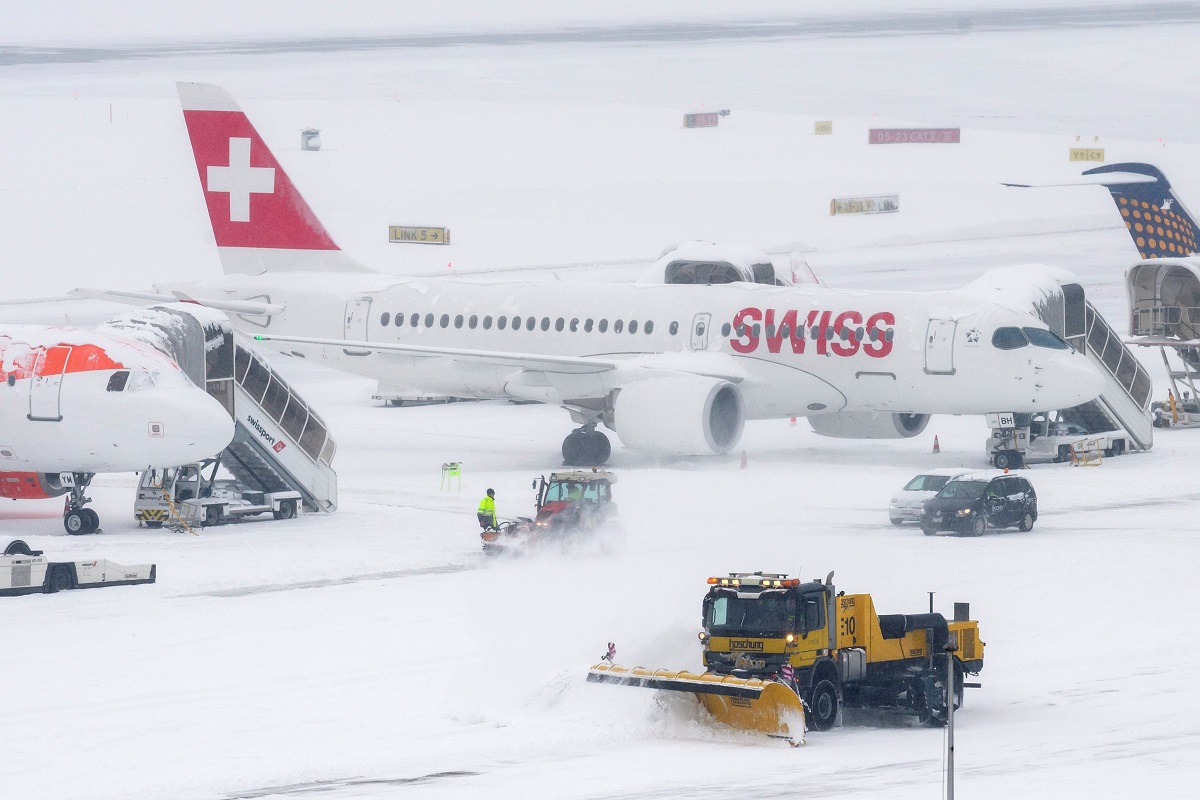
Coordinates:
781 653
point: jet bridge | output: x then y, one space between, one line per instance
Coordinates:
1125 401
279 443
1164 311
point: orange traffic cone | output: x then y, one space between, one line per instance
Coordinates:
743 459
936 447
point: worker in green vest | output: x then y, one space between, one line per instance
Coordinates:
487 511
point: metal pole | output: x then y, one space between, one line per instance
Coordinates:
931 602
951 696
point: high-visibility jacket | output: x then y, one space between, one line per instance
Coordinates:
487 507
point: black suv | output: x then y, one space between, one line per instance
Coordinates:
972 504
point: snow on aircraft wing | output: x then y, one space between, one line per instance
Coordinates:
570 365
245 307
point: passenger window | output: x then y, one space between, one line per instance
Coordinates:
429 320
649 327
617 326
414 320
458 321
1008 339
754 331
116 382
575 325
487 323
385 319
814 332
545 323
725 330
472 322
445 320
559 323
500 323
603 325
587 326
530 322
633 326
399 320
516 323
674 328
1043 338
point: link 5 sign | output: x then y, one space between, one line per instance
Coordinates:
406 234
913 136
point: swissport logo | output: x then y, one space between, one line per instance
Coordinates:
264 434
278 446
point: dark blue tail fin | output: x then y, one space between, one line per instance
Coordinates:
1158 223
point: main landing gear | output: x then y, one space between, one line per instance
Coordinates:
586 447
77 519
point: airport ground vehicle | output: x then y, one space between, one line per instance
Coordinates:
1019 439
26 571
906 504
973 503
569 503
779 651
188 496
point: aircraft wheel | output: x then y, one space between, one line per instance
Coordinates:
93 520
572 448
287 510
77 523
822 704
600 448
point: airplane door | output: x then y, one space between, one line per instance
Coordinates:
939 347
45 388
700 331
357 312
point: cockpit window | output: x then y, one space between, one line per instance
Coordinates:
117 381
1044 338
1008 339
140 380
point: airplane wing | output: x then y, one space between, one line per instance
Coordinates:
570 365
247 307
1161 341
676 363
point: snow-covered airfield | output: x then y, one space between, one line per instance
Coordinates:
374 653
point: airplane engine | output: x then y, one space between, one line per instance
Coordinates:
31 485
869 425
686 415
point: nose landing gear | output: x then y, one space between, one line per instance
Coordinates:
76 519
586 447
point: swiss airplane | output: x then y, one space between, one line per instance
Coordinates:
74 403
674 368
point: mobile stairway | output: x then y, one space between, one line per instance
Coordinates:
279 443
1125 402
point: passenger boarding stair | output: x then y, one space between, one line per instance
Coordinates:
279 443
1125 401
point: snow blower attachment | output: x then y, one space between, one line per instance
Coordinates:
747 703
783 656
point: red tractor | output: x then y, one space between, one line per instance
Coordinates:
568 503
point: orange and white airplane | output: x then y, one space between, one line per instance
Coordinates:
674 368
76 402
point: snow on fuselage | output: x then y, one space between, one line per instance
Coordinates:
795 351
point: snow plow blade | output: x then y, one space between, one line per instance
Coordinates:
744 703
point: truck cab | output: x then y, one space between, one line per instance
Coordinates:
574 500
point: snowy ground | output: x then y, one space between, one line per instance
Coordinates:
375 654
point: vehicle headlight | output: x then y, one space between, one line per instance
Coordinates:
790 638
703 636
965 512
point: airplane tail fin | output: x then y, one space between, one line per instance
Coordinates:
260 221
1158 223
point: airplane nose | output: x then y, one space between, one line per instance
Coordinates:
213 427
1081 378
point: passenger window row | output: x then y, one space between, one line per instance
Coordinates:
815 332
516 322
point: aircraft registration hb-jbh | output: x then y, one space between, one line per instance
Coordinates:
674 369
74 403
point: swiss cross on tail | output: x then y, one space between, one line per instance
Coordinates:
251 201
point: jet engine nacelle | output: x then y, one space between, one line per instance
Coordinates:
31 485
682 415
869 425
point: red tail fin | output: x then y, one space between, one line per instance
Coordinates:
260 221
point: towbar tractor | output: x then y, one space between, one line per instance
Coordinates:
829 649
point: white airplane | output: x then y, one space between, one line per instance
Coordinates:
674 368
74 403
